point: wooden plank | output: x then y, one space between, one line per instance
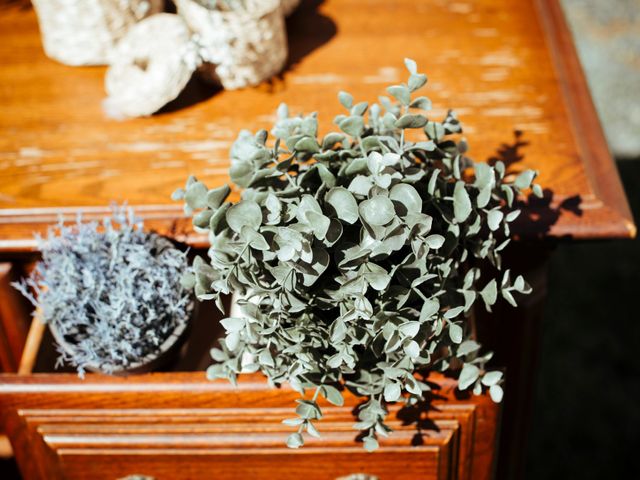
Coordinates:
504 65
180 425
14 319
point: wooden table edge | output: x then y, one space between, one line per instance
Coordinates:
590 139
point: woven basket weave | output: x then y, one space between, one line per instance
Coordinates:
241 47
84 32
153 64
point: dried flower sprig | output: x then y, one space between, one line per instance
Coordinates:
111 290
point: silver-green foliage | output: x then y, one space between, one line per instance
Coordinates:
356 255
111 290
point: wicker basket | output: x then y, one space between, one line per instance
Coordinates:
241 47
84 32
152 65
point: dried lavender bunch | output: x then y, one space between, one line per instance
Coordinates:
358 256
111 290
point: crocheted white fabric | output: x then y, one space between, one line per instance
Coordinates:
84 32
245 46
152 65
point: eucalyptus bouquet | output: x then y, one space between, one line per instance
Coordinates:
357 256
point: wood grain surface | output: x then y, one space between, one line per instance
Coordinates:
14 319
181 426
505 66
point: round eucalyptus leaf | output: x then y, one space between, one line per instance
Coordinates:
461 202
196 195
377 210
496 393
344 203
215 223
245 212
392 392
295 440
216 196
408 196
468 376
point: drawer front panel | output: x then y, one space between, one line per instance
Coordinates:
179 426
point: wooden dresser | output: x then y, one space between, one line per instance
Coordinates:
180 426
509 69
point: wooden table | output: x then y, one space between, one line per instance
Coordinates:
508 68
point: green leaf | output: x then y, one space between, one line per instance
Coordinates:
218 195
346 99
307 144
468 376
523 181
400 93
392 392
216 222
423 103
283 111
496 393
434 241
411 65
295 440
293 422
370 444
353 126
233 324
429 309
491 378
461 202
331 139
319 224
455 333
411 120
412 349
408 196
494 217
333 395
490 293
308 409
537 190
202 218
359 109
196 195
453 312
410 329
417 81
326 176
253 238
434 130
344 203
243 213
467 347
377 210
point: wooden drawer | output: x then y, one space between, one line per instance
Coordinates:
181 426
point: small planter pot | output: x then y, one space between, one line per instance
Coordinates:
85 32
166 354
241 47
